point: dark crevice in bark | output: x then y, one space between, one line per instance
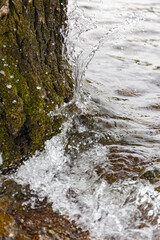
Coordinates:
12 9
45 14
35 76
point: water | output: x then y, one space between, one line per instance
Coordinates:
94 170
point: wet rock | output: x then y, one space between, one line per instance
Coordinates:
151 173
7 225
23 216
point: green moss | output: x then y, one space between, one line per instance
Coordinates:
32 81
2 3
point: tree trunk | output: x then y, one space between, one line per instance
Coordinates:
34 78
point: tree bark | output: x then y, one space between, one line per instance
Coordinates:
34 77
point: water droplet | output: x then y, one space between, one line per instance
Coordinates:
9 86
2 72
39 88
1 159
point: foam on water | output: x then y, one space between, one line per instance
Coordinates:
124 210
115 45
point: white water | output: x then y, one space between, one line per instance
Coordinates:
114 45
123 210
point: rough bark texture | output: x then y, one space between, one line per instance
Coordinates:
34 78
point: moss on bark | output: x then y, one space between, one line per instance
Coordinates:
34 77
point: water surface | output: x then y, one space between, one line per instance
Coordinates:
94 171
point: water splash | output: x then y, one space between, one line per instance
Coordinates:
123 210
92 170
80 26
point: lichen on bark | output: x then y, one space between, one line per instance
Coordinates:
34 77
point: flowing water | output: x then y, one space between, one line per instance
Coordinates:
103 170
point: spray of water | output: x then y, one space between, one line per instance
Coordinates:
72 170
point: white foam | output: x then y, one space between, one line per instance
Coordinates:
75 189
1 159
125 210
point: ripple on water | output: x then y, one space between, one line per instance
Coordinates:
102 169
120 208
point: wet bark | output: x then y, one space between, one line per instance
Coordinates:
34 77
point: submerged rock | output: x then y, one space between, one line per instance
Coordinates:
152 174
24 216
